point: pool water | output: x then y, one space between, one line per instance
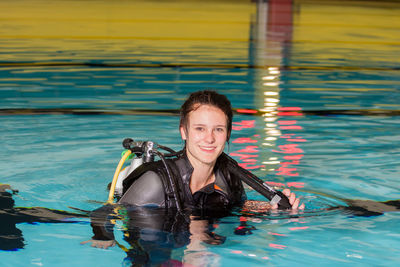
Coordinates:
315 88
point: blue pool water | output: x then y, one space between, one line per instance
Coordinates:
326 126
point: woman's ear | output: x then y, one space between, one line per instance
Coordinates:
183 132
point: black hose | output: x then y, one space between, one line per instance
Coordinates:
167 149
257 184
178 201
175 154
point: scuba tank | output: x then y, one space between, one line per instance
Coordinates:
143 152
135 162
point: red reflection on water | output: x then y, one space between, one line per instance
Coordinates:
277 246
271 233
293 137
295 184
288 184
297 139
290 162
289 113
298 228
289 108
287 171
288 168
289 149
248 111
275 184
247 156
249 149
237 126
291 127
242 140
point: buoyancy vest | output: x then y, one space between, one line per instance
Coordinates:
226 192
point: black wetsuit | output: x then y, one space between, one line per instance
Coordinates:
149 185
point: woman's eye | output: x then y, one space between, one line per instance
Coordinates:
199 128
221 130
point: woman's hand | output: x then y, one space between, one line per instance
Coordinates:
295 202
105 244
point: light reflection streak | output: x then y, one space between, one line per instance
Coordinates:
269 78
278 128
272 84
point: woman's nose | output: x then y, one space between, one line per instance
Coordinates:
210 138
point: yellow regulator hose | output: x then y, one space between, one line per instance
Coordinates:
116 174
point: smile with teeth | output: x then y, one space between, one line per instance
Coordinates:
207 148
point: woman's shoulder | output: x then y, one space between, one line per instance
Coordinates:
148 189
150 169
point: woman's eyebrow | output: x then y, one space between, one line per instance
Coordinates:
202 124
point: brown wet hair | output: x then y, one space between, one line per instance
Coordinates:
206 97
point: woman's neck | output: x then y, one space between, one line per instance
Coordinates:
203 174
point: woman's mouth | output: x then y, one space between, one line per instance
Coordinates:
207 149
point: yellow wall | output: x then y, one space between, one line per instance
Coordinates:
352 30
118 25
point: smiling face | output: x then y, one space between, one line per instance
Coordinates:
205 134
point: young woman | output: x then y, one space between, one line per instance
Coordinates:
204 179
201 176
